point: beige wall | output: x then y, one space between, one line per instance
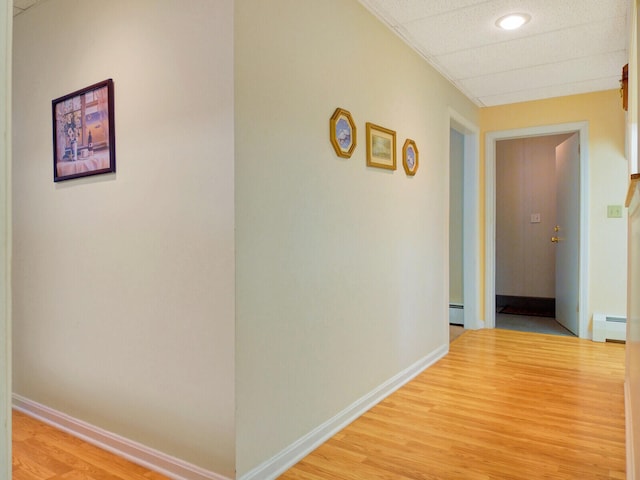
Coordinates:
5 229
340 267
124 284
456 196
607 181
526 185
632 377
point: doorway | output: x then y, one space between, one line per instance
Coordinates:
490 215
537 205
464 261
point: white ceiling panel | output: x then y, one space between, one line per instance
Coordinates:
542 76
547 92
20 6
475 26
403 11
554 47
569 41
24 4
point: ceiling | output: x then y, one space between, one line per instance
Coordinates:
20 6
568 47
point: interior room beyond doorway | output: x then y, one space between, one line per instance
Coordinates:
526 222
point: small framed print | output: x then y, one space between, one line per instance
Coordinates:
410 157
381 147
342 131
84 132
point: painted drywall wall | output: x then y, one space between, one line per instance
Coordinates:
124 283
340 266
525 186
632 347
607 181
5 241
456 178
632 384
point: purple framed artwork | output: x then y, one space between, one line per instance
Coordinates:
84 133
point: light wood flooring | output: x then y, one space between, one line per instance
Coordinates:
41 452
502 405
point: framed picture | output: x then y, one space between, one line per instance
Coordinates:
342 131
410 157
381 147
84 133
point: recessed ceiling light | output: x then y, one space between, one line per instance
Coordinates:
513 21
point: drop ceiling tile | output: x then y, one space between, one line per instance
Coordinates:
460 39
542 76
550 92
551 47
24 4
475 26
401 11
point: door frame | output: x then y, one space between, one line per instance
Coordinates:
471 277
6 22
490 215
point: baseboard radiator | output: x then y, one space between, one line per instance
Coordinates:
456 314
609 327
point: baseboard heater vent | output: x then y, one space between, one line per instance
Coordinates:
456 314
609 327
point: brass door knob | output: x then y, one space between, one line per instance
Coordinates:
555 239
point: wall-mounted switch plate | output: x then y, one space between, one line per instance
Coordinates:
535 218
614 211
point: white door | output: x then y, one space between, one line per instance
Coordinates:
567 238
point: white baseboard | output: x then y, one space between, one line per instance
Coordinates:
171 467
295 452
628 412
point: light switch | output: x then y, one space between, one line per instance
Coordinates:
614 211
535 218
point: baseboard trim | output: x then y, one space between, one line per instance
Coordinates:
628 412
291 455
166 465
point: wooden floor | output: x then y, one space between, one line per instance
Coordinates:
502 405
41 452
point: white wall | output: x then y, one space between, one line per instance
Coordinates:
632 347
340 267
632 377
5 241
124 283
456 196
526 185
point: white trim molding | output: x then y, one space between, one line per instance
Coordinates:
295 452
490 215
628 411
6 27
137 453
471 217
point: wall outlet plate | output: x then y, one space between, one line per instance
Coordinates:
614 211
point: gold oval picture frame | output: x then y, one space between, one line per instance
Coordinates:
410 157
342 131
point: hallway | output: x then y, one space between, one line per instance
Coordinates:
502 404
